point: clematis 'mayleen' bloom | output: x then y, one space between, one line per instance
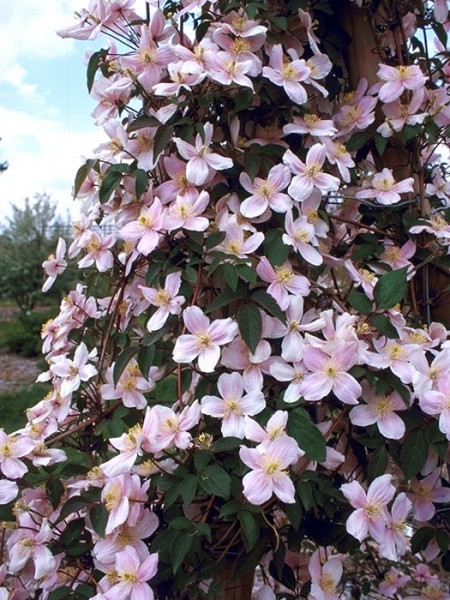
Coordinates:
133 573
329 374
282 280
54 265
370 516
398 79
324 579
309 174
385 189
380 410
268 474
204 340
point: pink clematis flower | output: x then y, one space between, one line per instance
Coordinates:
266 192
370 516
186 212
324 578
132 574
425 492
73 372
12 449
233 405
328 373
98 252
54 265
302 236
395 543
122 496
282 280
202 162
288 75
165 299
268 475
392 581
204 340
274 428
310 174
27 543
131 386
398 79
146 229
173 428
437 402
385 189
310 124
380 410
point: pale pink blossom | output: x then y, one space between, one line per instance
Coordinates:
130 387
73 372
146 230
237 243
398 79
356 116
310 124
329 373
204 340
392 581
268 475
227 70
233 405
302 236
30 542
166 299
398 115
380 409
425 492
282 371
132 574
309 174
202 162
186 212
282 280
395 541
54 265
266 192
173 429
12 449
274 428
398 256
437 403
385 189
122 496
370 516
180 81
98 252
254 365
289 74
324 578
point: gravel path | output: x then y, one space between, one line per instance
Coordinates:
16 371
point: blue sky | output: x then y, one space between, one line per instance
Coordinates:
45 122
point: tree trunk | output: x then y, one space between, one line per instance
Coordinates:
234 589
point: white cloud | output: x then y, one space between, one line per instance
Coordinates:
43 156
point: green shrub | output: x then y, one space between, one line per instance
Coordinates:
14 403
22 335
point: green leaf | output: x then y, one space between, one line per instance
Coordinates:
111 181
230 275
390 288
269 304
383 325
251 164
360 302
60 593
122 361
162 138
276 251
181 544
214 239
380 143
358 140
224 299
215 480
143 121
246 273
421 539
378 463
141 179
99 517
307 435
294 513
280 22
250 325
411 131
93 65
225 444
249 528
73 505
188 488
413 453
82 173
55 489
145 359
72 532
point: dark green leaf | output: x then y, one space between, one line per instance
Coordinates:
250 325
380 143
276 251
360 302
161 140
413 453
307 435
111 181
180 546
73 505
269 304
383 325
411 131
145 360
72 532
99 517
141 178
93 65
249 528
390 288
224 299
60 593
357 141
122 361
141 122
230 275
294 513
378 463
280 22
421 539
226 443
82 173
215 480
188 488
247 273
214 239
55 489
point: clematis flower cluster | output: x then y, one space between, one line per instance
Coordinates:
253 370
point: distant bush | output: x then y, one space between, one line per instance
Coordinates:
21 335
